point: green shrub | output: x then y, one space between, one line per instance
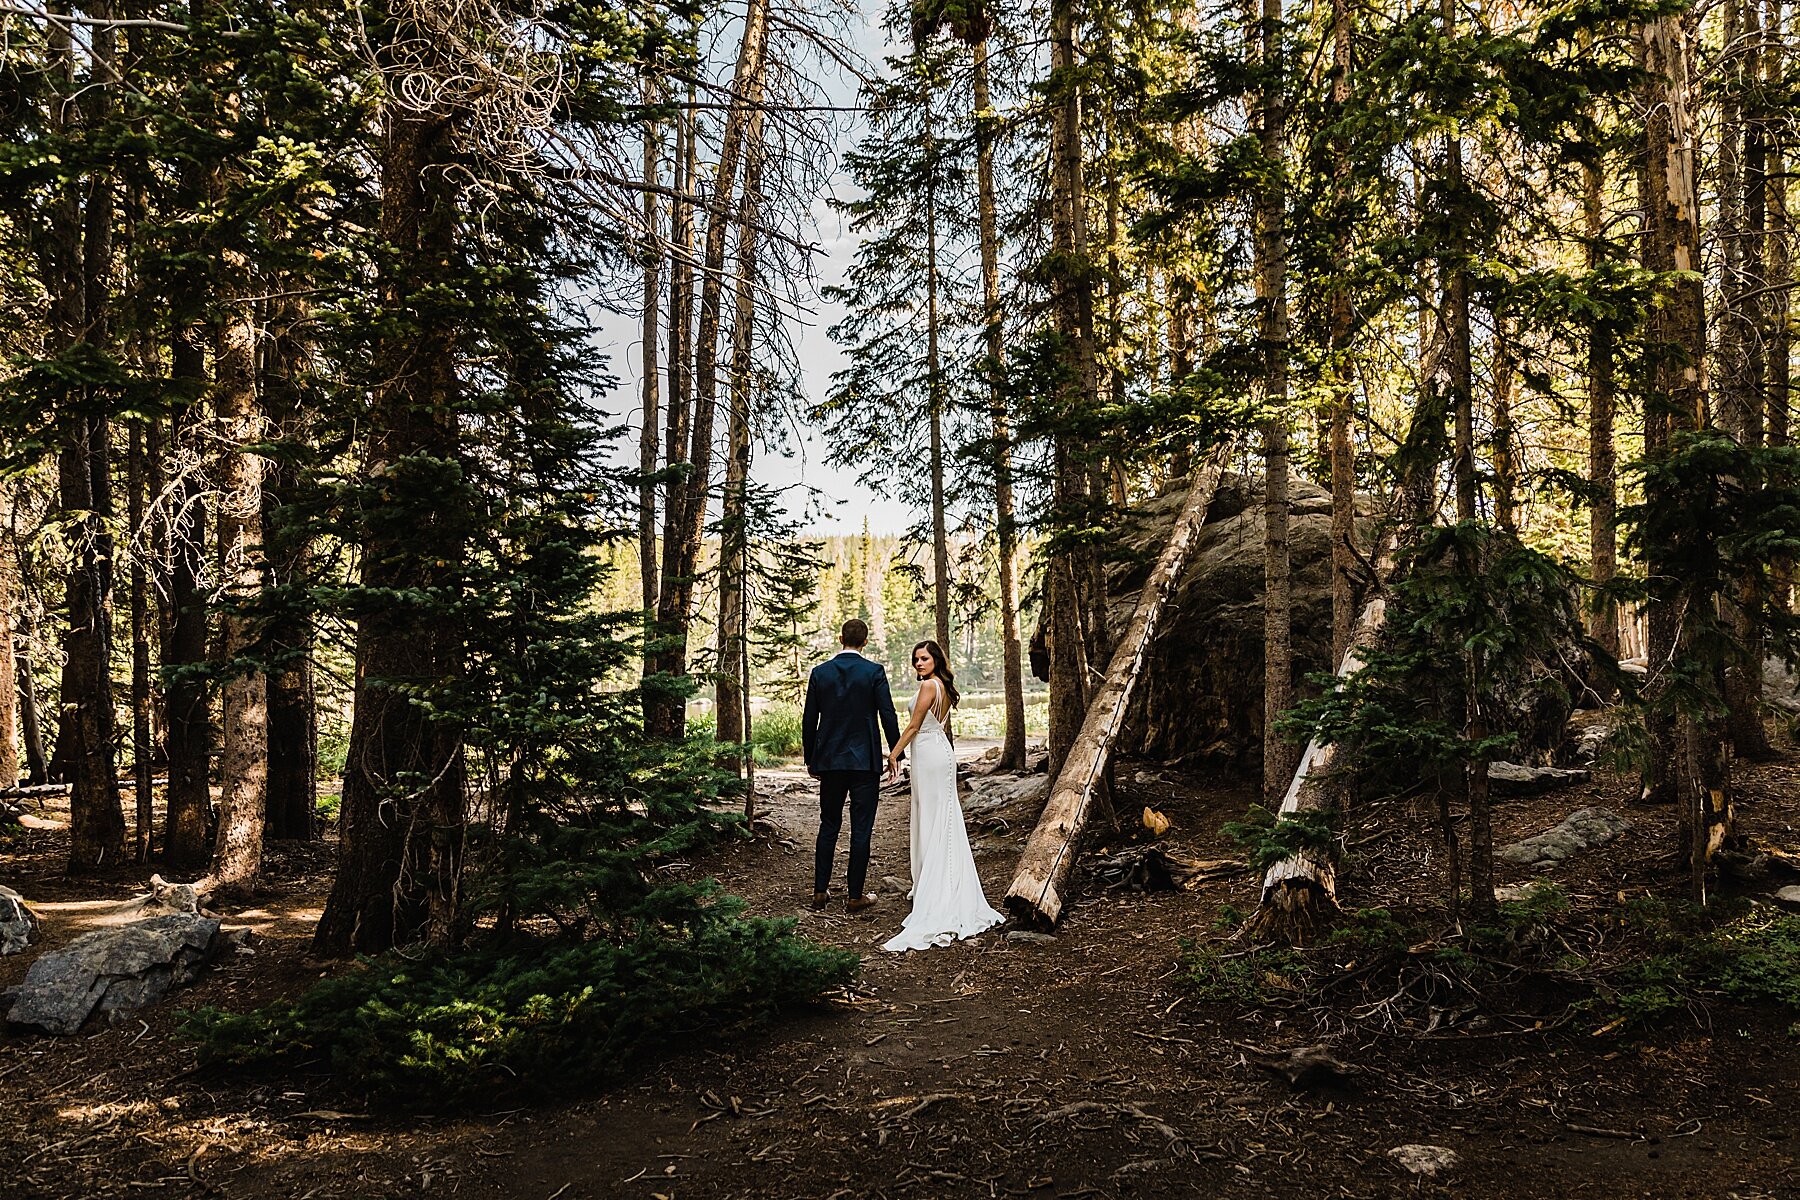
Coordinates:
1246 977
775 732
532 1019
1269 839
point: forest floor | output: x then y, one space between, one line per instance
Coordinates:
1077 1066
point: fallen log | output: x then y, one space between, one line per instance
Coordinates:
1043 871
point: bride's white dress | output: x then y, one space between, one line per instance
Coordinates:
948 904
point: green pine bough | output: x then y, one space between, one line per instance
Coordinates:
533 1020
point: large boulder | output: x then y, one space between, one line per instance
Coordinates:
112 970
1581 830
18 924
1200 698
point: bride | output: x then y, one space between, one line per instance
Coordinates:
947 901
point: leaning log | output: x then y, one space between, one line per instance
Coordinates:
1038 885
1300 891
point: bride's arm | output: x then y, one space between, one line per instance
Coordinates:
914 720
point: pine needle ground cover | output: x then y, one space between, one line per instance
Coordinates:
1539 964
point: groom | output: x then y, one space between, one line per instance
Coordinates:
846 697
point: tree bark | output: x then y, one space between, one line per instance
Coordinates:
934 398
244 732
402 821
1779 271
652 400
730 693
1271 296
1603 543
668 713
31 727
293 707
1006 535
1743 338
1657 253
10 602
1300 892
1341 320
1702 772
143 745
1039 885
1072 313
187 727
1506 463
659 702
1456 304
80 299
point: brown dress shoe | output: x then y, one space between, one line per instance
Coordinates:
818 900
860 903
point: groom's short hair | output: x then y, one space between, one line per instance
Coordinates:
855 634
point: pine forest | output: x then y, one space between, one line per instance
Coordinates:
1277 521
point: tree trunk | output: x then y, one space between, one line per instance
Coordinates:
668 714
293 707
730 695
80 295
1603 539
1779 272
143 746
1506 463
1300 892
402 822
1271 297
1038 886
31 726
1701 758
1656 252
652 401
1006 535
10 602
934 401
1072 312
244 732
660 702
1744 339
1456 304
187 727
1341 318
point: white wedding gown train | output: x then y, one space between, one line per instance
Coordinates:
948 903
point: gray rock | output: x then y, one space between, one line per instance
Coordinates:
1581 830
1591 741
1419 1159
112 971
1515 779
1199 701
1789 896
18 924
1029 935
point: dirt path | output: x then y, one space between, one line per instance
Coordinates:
1070 1067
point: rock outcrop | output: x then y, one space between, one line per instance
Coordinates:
1581 830
1200 699
112 971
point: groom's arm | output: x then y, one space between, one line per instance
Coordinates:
884 706
809 721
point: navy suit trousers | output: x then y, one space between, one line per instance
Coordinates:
863 788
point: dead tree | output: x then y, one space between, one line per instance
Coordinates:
1300 891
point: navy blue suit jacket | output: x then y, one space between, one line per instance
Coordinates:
847 708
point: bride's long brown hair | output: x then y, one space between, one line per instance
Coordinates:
940 668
